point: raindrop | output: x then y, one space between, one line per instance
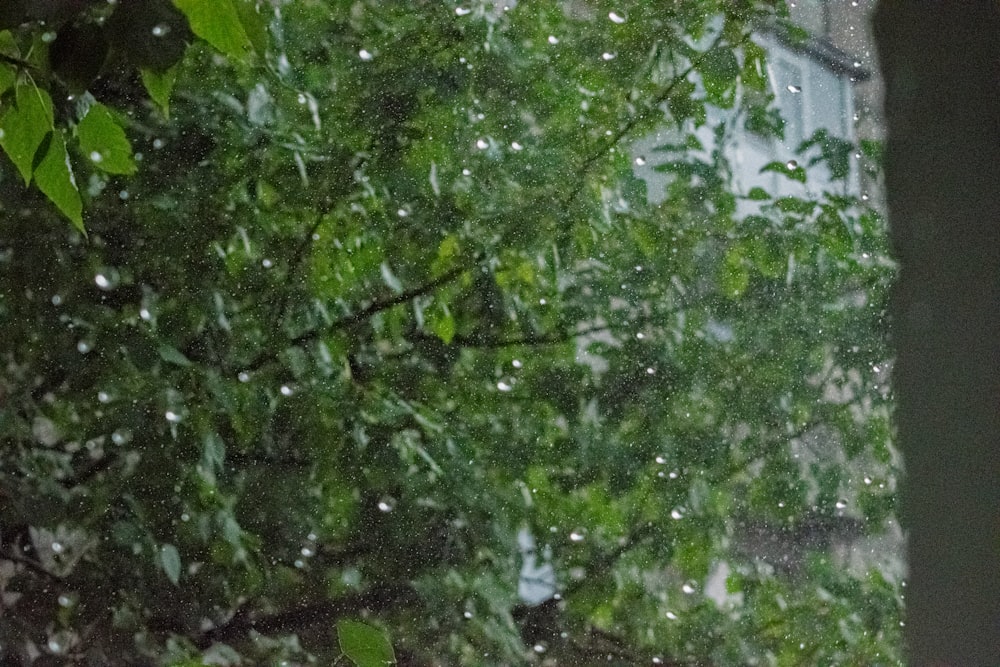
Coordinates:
121 436
307 552
95 156
516 146
172 417
55 646
864 197
616 18
57 547
64 601
673 474
402 212
482 144
661 459
650 371
83 347
123 195
286 390
516 363
792 164
841 504
793 88
640 161
302 98
462 11
365 55
103 396
266 263
868 480
157 143
657 660
48 37
185 517
503 386
671 615
576 536
387 504
160 29
857 63
538 648
57 300
466 172
676 514
145 314
607 56
467 614
299 563
103 281
553 39
689 587
243 376
640 335
542 302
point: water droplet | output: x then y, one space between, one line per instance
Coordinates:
54 646
83 347
676 514
661 459
671 615
64 600
243 376
103 281
841 504
793 88
57 300
103 396
640 335
466 172
868 480
160 29
616 18
640 161
286 390
157 143
792 164
516 146
185 517
266 263
462 11
577 536
516 363
307 552
482 144
538 648
689 587
857 63
123 195
387 504
95 156
57 547
48 37
657 660
365 55
299 563
553 39
301 98
607 56
145 314
542 302
673 474
503 386
402 212
467 614
172 417
650 371
121 436
864 197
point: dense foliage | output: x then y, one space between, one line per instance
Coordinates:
365 309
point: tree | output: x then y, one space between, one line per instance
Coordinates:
385 300
942 159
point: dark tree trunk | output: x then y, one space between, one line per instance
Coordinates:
941 63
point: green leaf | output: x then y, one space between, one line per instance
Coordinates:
734 276
364 645
103 141
254 23
25 125
7 78
440 320
170 561
159 86
173 356
758 194
218 23
719 69
54 177
791 170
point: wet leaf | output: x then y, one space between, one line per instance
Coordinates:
364 645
